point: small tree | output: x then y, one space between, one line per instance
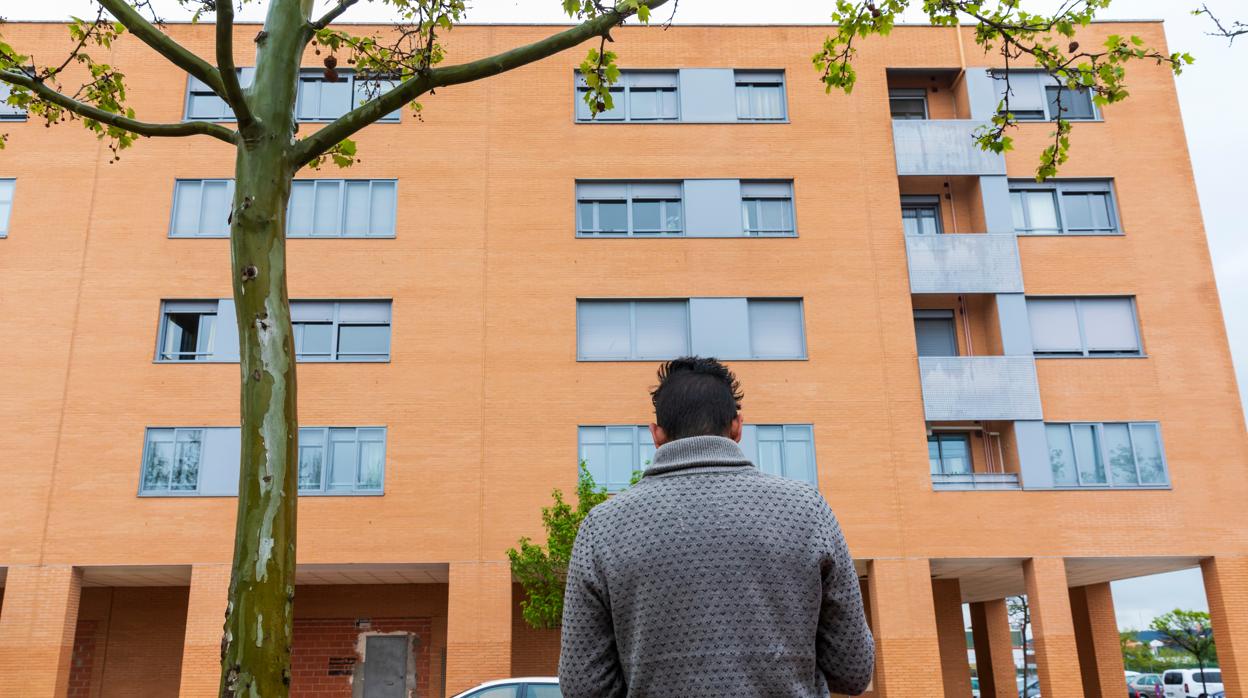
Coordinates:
543 570
1136 655
1192 631
1020 619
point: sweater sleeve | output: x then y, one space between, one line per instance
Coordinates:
844 646
589 662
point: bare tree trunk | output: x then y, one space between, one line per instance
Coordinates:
259 618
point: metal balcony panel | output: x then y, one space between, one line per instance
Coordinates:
942 147
964 264
957 388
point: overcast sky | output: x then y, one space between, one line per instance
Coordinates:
1211 95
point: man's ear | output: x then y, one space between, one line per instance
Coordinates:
734 429
659 436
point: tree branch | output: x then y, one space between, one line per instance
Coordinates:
1236 29
225 63
333 13
344 126
143 128
163 44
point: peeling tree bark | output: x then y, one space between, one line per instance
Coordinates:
259 618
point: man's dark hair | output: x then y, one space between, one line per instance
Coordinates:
696 396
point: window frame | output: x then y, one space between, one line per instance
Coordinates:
630 198
336 324
908 93
169 491
785 428
1042 80
940 436
245 77
324 489
1058 188
922 201
306 73
162 331
1084 352
632 327
175 207
623 90
749 315
11 184
1103 452
8 112
639 432
787 198
752 79
352 78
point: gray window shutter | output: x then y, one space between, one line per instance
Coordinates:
382 204
1026 91
708 95
218 467
720 327
603 330
776 330
1054 325
799 453
1109 324
712 207
662 329
311 311
749 442
364 311
935 333
300 209
225 339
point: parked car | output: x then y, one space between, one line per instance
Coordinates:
1031 691
526 687
1192 683
974 687
1143 685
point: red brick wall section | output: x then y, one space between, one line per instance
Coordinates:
317 641
533 652
83 660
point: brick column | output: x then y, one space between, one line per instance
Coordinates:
1096 638
904 622
478 624
1226 588
37 624
955 670
205 623
994 649
1057 659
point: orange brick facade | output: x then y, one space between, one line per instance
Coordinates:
106 593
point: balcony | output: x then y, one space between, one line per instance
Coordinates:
957 388
942 147
964 264
975 481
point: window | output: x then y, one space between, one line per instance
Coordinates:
908 103
935 333
614 453
171 459
186 330
341 208
341 459
787 450
322 100
615 209
637 96
1034 95
1063 208
341 331
201 207
767 208
1207 677
1106 454
920 215
317 208
1174 678
760 95
6 204
949 453
543 690
9 112
729 328
203 104
1094 326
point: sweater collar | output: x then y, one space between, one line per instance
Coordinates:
716 452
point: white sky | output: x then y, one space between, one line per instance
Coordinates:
1213 115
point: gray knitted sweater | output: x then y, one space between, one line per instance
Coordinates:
711 578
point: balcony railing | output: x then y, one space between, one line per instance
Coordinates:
957 388
942 147
975 481
964 264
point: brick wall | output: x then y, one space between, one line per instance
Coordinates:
83 659
533 652
324 648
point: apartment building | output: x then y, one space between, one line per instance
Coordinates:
1001 386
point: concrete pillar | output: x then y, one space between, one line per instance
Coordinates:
478 624
955 670
205 623
1057 659
904 622
37 623
994 649
1226 588
1096 638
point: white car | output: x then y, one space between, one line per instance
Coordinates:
1192 683
525 687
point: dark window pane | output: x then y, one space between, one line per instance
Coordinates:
363 341
1076 104
908 107
612 217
